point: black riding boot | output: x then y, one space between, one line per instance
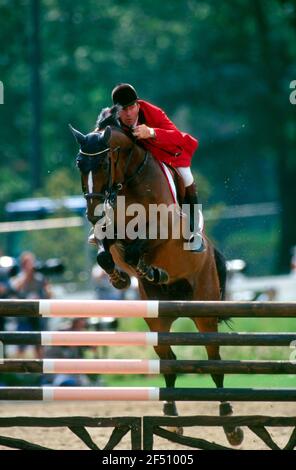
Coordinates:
196 242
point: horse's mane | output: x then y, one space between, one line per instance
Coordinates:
109 117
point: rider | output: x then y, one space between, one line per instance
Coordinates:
160 136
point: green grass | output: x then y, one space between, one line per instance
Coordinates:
199 352
235 324
192 380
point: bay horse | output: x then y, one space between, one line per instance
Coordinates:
112 164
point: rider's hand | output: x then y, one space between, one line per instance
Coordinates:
143 132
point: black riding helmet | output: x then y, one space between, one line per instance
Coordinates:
124 94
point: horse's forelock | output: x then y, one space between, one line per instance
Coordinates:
108 117
105 113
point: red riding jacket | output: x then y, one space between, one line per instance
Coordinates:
169 145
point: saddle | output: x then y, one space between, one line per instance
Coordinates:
178 181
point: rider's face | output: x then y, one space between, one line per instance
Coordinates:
129 115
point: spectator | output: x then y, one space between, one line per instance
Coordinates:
29 284
66 352
103 288
7 269
104 291
267 295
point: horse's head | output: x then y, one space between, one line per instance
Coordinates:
108 160
94 165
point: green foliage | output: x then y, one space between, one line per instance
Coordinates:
257 246
63 243
17 187
220 70
60 183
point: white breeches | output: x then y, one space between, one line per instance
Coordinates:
186 174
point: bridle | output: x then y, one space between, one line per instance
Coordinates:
111 192
94 154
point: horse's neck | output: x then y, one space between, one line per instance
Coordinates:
150 169
137 158
133 156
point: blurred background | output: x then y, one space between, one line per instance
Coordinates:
221 70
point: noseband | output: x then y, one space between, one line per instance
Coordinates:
94 154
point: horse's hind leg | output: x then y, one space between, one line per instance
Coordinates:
166 352
234 435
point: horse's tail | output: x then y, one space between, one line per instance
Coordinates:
222 273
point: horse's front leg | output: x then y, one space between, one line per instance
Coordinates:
119 279
151 273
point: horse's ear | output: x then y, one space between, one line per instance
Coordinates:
107 135
80 138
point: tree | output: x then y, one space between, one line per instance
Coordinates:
275 68
221 71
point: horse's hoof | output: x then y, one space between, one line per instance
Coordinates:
235 437
170 409
163 277
120 280
157 276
